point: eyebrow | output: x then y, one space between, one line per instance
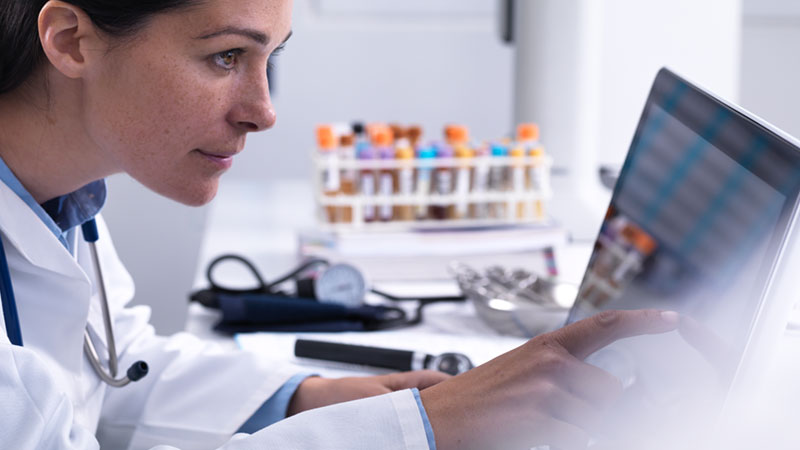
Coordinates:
256 36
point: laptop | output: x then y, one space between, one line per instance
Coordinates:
701 222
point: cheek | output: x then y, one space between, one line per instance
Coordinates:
154 110
147 120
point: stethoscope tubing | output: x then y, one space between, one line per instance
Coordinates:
110 341
10 315
135 372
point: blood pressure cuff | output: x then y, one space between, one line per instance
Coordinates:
250 312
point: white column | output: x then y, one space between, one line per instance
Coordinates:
583 69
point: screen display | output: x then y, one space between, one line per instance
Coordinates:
694 226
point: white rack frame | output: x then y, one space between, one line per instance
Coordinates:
358 201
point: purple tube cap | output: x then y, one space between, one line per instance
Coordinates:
444 151
367 153
386 153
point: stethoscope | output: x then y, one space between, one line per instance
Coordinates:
135 372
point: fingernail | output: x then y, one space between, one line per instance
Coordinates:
670 317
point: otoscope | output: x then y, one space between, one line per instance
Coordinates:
450 363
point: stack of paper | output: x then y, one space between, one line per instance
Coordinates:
426 254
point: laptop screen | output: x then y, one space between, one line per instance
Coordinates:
695 224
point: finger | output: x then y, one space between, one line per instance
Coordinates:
585 337
419 379
593 384
560 435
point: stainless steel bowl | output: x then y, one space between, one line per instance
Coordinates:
517 302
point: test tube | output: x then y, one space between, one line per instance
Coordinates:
367 183
405 179
528 138
528 135
480 181
349 178
456 134
539 177
498 181
331 184
641 246
517 154
426 156
397 131
414 133
382 140
360 139
443 184
464 155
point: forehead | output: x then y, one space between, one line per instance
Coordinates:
270 17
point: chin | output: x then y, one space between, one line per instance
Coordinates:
198 198
191 195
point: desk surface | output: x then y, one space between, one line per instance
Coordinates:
261 222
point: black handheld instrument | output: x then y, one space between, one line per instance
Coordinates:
451 363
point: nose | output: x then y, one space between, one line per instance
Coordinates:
254 110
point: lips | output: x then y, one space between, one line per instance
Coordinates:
219 154
223 160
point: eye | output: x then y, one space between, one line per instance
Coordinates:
227 60
279 49
275 53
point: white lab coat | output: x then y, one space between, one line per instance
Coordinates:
196 394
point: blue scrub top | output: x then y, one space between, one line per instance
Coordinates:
61 214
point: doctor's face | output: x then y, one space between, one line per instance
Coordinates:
172 105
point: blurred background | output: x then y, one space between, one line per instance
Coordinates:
580 68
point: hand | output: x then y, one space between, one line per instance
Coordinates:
316 392
540 393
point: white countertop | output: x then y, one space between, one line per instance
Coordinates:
260 221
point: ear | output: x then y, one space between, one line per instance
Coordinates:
69 38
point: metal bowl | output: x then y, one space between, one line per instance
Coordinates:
516 303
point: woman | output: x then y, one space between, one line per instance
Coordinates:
167 91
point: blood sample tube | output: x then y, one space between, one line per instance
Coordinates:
382 141
326 144
404 155
426 157
480 182
367 183
349 175
443 184
517 155
498 180
464 156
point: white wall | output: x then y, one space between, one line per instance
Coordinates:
770 62
416 60
428 62
698 39
584 69
158 240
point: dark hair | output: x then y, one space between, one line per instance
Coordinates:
20 49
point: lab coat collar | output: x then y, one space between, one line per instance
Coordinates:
53 306
32 238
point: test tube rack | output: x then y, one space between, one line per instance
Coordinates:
497 206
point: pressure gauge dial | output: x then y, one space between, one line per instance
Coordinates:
340 283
